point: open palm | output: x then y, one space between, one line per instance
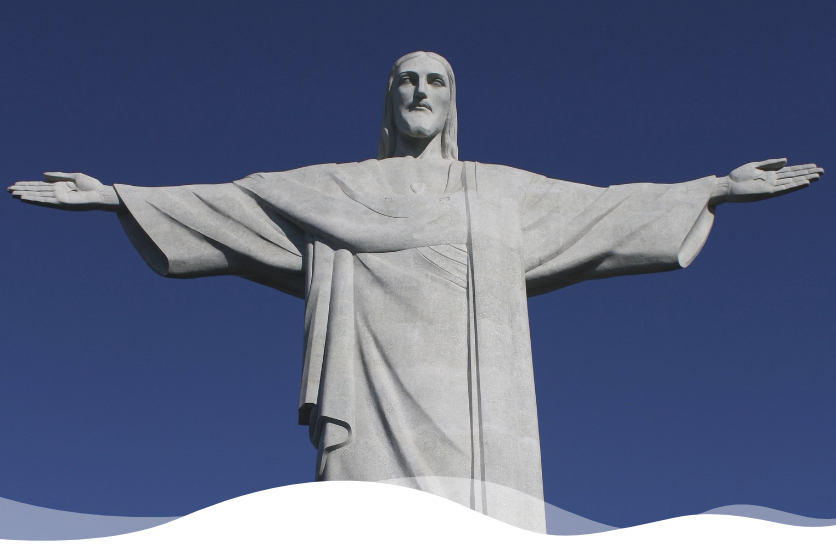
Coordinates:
62 190
770 178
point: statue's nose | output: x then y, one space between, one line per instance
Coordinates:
421 90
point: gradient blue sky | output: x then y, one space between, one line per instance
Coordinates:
123 393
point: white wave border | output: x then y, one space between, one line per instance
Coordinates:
371 519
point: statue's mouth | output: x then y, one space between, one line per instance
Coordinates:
421 105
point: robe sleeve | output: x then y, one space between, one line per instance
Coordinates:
213 229
574 232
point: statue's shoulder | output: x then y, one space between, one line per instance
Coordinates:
504 173
314 172
327 178
376 168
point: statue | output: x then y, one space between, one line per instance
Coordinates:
416 268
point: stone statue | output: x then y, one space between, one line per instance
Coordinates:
415 268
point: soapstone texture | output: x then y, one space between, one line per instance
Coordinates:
415 268
417 352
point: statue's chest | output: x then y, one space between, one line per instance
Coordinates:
414 177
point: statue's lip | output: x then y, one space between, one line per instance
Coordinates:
421 106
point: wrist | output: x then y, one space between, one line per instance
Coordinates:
722 190
110 199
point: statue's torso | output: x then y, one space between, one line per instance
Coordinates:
406 175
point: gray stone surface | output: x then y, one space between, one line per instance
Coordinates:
415 268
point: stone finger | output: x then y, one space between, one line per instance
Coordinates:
771 164
39 200
35 187
27 183
60 176
793 173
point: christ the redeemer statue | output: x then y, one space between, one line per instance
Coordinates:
415 268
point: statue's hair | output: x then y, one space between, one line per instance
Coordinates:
388 131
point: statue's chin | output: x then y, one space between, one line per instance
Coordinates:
418 125
419 132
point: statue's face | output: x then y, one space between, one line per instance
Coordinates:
421 97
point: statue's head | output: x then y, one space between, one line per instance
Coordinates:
420 103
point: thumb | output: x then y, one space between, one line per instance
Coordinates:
771 164
60 176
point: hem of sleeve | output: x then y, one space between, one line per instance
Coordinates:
153 255
697 236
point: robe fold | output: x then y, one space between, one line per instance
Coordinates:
417 364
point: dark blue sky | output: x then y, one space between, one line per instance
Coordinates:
123 393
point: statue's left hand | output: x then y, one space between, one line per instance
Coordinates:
766 179
67 190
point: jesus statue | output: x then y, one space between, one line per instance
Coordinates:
415 268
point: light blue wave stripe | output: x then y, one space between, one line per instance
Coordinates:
19 521
769 514
562 522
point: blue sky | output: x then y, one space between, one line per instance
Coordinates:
122 393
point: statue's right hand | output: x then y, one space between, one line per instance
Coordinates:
67 190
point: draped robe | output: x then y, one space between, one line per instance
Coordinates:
417 364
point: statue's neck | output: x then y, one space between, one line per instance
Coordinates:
418 148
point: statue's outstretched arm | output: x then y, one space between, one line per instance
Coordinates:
68 190
574 233
765 179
